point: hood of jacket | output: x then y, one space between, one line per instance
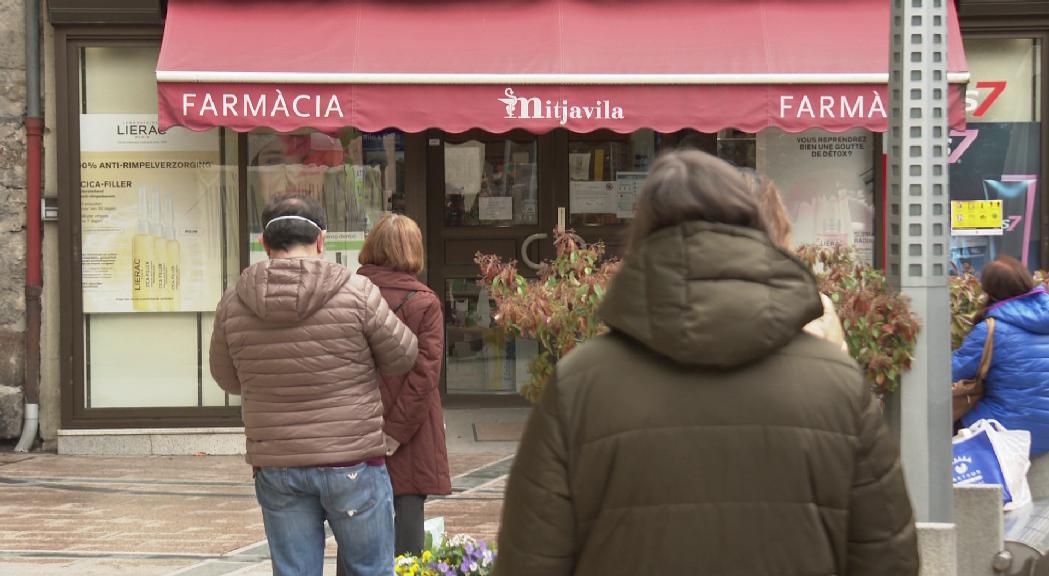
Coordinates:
288 290
395 279
708 294
1029 312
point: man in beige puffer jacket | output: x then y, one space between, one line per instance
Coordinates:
303 341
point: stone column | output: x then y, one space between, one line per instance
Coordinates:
12 216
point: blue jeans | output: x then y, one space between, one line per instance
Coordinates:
357 503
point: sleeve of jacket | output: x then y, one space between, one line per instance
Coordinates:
882 540
965 362
537 537
392 344
222 368
412 406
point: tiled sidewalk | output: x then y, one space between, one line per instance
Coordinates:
184 515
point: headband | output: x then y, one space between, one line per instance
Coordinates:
303 218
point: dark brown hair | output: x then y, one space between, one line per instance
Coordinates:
1002 279
686 185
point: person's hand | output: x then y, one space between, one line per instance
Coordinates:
391 444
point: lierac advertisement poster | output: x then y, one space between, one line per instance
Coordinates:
998 161
827 183
150 216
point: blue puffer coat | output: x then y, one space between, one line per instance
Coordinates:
1016 391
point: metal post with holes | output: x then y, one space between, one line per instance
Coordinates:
919 242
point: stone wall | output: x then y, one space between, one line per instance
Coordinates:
12 215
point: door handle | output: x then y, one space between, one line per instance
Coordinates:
524 249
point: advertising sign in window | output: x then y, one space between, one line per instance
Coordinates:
150 216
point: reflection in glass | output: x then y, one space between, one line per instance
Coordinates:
481 357
491 183
357 177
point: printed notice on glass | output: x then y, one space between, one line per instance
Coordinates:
592 198
976 218
579 166
151 216
463 167
628 190
495 208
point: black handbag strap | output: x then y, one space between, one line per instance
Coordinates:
404 301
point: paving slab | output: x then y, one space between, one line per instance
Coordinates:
181 515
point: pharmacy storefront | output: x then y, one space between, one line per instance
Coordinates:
490 124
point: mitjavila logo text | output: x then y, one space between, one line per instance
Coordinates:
534 108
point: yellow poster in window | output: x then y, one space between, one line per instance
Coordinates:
976 218
150 216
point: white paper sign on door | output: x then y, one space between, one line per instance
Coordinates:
592 198
495 208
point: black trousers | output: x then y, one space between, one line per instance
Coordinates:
409 535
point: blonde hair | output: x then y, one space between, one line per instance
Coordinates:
773 212
396 243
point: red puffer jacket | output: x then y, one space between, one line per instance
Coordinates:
412 410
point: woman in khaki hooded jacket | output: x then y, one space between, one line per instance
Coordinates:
707 433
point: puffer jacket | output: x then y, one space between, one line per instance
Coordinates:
707 434
301 340
1016 390
413 415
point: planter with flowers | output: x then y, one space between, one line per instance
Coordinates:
460 555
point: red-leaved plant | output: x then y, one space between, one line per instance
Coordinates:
880 329
558 309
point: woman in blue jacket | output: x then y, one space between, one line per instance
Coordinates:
1016 390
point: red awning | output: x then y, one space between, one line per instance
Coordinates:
505 64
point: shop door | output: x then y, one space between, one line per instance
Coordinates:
490 193
504 194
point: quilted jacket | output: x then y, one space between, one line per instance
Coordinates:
1016 391
707 434
302 341
413 415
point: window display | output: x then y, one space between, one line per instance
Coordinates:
492 183
827 183
357 177
605 172
481 357
998 155
157 211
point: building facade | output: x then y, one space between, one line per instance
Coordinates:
153 223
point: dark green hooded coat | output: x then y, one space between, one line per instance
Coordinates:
707 434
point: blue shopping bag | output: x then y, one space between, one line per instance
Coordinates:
975 462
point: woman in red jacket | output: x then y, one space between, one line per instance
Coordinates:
417 457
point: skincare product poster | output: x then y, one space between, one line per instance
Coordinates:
151 220
827 183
